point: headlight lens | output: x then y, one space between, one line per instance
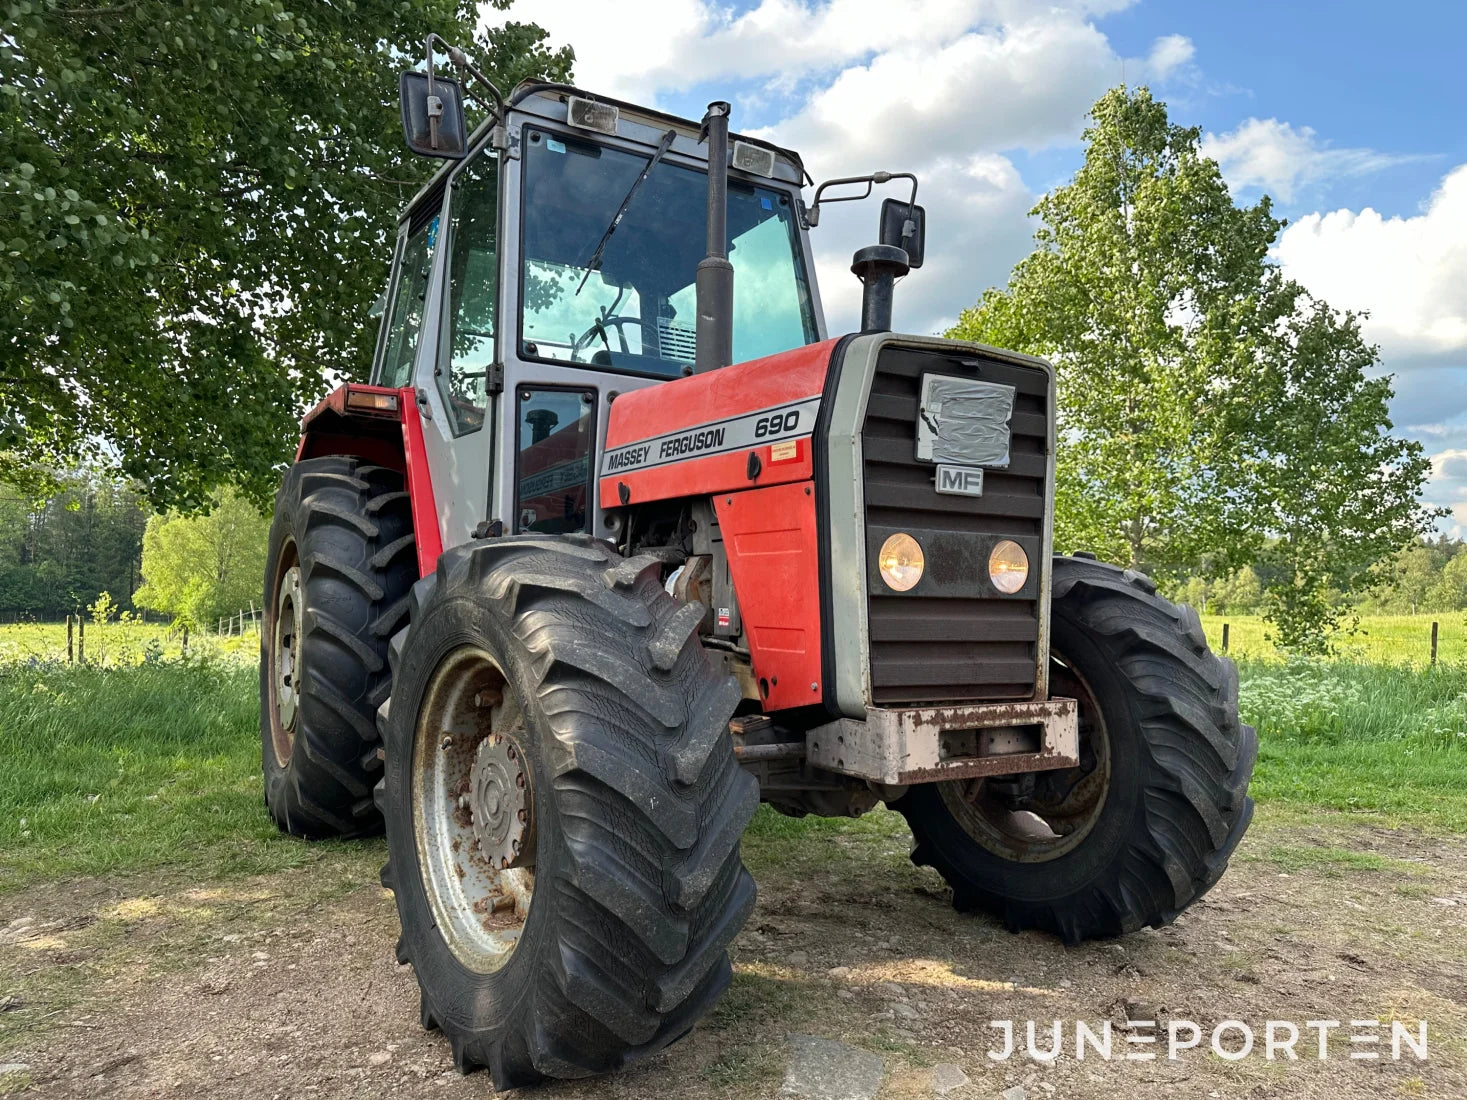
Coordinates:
1008 566
901 562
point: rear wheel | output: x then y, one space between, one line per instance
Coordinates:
1146 823
341 560
563 808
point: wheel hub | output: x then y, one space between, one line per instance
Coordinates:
499 804
473 809
1052 814
289 609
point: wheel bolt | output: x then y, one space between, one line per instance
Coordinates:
447 742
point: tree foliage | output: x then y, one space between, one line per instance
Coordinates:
1428 576
1211 409
197 200
200 567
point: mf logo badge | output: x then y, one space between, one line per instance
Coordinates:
966 481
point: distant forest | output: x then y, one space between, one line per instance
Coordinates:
1430 577
58 555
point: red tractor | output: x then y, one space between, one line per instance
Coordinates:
620 542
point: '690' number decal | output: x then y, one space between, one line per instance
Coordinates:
777 424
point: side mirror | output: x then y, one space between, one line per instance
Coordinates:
905 226
433 125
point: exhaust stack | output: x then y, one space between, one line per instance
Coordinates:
878 266
714 287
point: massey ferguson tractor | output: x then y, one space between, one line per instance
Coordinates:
619 542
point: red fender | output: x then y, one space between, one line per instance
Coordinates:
379 425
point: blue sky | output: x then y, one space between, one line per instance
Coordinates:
1349 114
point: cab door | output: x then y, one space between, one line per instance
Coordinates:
457 373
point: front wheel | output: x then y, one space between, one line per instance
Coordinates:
563 808
1145 825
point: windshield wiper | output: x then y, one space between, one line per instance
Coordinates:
594 264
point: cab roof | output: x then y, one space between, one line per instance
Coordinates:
548 100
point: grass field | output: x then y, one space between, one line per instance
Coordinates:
156 763
115 643
1378 639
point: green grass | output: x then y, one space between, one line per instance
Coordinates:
1329 861
1362 738
130 768
1378 639
158 765
114 644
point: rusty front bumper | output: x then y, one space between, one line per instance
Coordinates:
927 744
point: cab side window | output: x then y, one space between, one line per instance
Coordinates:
405 324
473 287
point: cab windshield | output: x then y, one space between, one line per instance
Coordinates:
636 312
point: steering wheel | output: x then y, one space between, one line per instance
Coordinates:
617 321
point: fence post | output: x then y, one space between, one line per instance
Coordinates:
221 625
70 652
1225 638
81 640
1433 643
185 640
252 614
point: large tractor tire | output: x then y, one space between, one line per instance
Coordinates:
1146 824
340 563
563 808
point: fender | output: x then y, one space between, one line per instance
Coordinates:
742 435
379 425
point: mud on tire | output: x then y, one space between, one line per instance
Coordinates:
639 806
1179 761
346 525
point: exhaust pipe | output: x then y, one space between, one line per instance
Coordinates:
714 287
878 266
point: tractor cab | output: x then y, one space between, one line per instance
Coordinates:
552 267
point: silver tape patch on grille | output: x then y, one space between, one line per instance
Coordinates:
964 421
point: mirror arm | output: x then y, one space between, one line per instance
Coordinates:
812 215
461 62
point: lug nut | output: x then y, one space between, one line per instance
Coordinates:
447 742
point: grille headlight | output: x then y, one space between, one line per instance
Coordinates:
901 562
1008 566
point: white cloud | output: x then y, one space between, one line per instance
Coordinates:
942 88
1169 56
1283 159
976 230
639 48
1410 273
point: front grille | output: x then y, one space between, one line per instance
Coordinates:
953 638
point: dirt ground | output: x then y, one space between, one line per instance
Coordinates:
285 985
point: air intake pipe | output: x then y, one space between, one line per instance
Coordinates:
715 281
878 266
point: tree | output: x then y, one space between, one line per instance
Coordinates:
199 567
197 204
1240 593
59 552
1210 408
